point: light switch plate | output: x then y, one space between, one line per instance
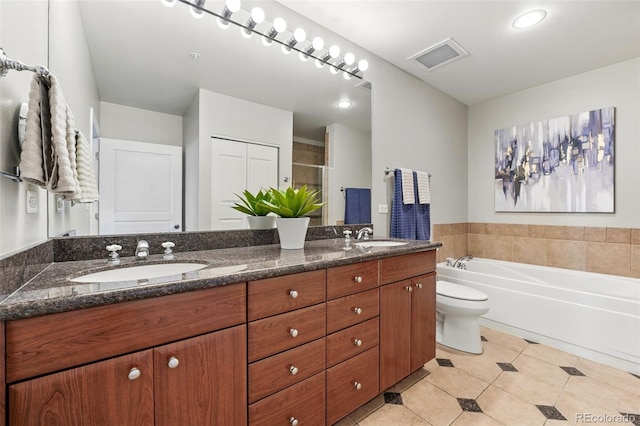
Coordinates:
32 202
383 208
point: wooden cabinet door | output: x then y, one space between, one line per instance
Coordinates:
208 386
423 320
395 332
102 393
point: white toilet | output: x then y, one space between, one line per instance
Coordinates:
458 311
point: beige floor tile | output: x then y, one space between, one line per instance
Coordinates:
603 394
475 419
575 409
497 352
509 409
541 370
613 376
447 353
484 369
431 365
432 404
515 343
528 389
457 383
367 409
391 414
551 355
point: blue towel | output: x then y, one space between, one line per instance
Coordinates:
403 216
357 206
423 215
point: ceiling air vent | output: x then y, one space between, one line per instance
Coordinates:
364 84
440 54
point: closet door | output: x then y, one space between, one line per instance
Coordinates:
238 166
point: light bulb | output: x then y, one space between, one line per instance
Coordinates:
303 56
169 3
232 5
363 65
222 23
300 35
319 63
334 51
257 15
279 24
317 43
346 75
196 13
349 58
285 49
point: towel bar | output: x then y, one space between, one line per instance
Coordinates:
7 64
13 176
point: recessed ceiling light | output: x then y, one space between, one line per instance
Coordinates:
529 19
344 104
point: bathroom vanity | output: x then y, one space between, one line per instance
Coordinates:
287 338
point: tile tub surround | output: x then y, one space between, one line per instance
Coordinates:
539 386
51 291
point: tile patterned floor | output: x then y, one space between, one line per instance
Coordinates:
515 382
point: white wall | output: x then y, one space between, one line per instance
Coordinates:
417 127
23 36
225 116
135 124
349 165
616 85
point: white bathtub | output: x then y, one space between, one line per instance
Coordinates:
594 316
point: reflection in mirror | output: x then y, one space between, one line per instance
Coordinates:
141 72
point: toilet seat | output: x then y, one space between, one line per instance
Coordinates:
460 292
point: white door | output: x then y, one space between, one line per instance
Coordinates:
238 166
140 187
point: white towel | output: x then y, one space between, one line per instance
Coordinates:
88 192
62 179
408 196
424 191
31 158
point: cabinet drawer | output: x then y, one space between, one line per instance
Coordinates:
41 345
351 341
350 310
275 334
351 383
407 266
349 279
304 401
282 294
280 371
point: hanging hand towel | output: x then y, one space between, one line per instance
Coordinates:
423 216
88 192
62 177
403 216
32 160
357 206
424 191
408 196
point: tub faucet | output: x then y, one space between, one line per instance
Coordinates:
142 250
363 234
461 262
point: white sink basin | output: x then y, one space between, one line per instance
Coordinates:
139 272
380 243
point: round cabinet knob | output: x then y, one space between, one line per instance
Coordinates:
134 373
293 294
358 279
419 285
293 421
409 289
294 370
293 332
357 311
357 385
357 342
173 362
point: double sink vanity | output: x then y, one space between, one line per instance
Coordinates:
246 335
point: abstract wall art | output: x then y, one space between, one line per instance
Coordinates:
563 164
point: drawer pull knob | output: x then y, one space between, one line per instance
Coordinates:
409 289
293 294
357 385
357 342
419 285
293 332
293 421
357 311
134 373
173 362
358 279
294 370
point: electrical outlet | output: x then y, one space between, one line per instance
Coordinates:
32 202
383 208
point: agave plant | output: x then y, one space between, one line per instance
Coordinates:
292 202
253 204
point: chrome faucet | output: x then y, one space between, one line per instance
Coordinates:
142 250
363 234
461 262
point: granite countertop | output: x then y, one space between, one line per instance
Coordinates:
51 291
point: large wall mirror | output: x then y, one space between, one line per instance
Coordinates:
143 72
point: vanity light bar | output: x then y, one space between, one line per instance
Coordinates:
322 57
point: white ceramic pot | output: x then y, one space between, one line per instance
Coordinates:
292 232
261 222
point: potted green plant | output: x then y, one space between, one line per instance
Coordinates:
292 206
256 211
